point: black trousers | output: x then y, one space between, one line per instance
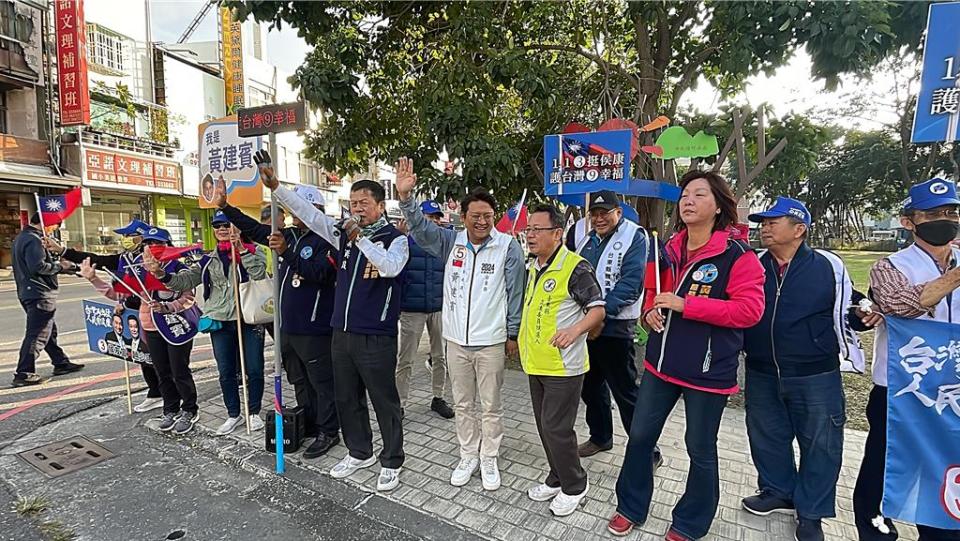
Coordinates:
40 335
309 365
612 366
367 365
152 380
555 411
868 492
172 364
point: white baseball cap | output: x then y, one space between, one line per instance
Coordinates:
310 193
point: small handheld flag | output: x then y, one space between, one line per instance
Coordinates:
515 218
54 209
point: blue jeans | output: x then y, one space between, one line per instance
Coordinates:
226 351
810 409
694 513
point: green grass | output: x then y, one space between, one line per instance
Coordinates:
859 263
31 506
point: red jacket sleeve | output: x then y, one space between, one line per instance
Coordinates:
745 304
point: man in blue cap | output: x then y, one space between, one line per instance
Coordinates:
421 305
919 282
794 358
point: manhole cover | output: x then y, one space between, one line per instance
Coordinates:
62 457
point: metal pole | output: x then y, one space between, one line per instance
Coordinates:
277 359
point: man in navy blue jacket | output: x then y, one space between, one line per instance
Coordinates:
617 249
308 267
421 305
793 384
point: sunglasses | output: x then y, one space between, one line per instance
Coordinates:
221 226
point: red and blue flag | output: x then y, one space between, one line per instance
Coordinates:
54 209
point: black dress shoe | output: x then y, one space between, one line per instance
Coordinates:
441 408
25 380
321 445
66 368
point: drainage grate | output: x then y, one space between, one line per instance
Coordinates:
62 457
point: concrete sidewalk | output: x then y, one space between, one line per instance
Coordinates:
507 514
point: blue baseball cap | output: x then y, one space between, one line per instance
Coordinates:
933 193
157 233
430 207
135 227
785 206
219 218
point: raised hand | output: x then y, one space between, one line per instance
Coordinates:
88 270
265 164
151 263
220 193
277 242
406 179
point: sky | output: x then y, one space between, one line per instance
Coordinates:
171 17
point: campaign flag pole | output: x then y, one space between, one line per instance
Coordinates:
126 365
277 359
656 261
43 228
523 199
243 358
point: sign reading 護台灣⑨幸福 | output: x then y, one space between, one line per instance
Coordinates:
937 117
578 163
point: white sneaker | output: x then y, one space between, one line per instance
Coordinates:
564 504
489 473
542 492
464 471
389 479
229 425
349 465
256 423
148 404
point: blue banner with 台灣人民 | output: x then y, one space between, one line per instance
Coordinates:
922 480
115 332
579 163
937 116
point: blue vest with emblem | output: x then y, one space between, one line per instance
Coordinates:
307 293
695 352
366 303
423 283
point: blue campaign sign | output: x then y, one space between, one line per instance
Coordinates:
116 335
642 188
938 105
921 484
578 163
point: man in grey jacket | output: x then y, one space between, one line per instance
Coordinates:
35 271
483 285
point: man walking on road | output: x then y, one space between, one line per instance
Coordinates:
420 307
482 300
35 271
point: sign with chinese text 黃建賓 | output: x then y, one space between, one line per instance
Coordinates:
72 80
579 163
232 44
937 117
135 171
921 483
224 154
274 118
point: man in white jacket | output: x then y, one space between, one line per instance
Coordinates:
482 299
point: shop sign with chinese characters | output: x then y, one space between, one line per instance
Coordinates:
112 167
72 62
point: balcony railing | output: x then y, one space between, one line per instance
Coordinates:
131 144
23 150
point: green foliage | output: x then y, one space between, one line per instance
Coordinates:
486 80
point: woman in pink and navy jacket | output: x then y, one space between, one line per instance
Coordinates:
693 352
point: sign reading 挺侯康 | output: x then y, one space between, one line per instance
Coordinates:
274 118
223 153
937 117
921 483
115 334
579 163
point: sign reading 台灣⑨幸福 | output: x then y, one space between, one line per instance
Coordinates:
937 117
578 163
